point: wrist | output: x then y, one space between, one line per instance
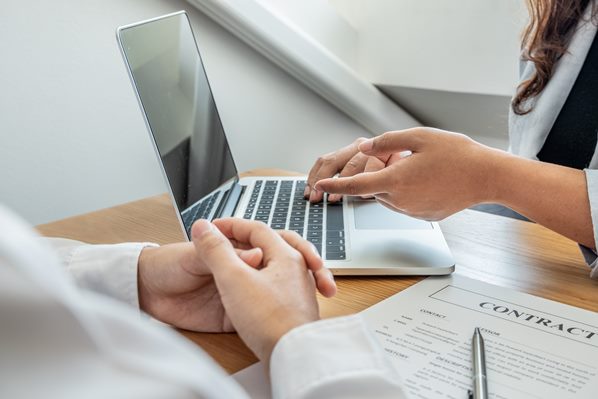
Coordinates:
495 175
143 291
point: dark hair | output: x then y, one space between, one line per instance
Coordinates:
545 40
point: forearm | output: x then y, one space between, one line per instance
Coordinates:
551 195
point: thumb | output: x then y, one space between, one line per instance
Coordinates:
216 251
393 142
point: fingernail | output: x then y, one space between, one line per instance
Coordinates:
312 195
366 145
306 192
200 228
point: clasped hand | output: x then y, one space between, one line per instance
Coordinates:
235 275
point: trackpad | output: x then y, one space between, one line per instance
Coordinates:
370 215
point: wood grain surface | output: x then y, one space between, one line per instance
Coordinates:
498 250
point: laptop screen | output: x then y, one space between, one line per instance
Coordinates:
177 100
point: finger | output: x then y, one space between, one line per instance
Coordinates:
375 164
315 196
256 234
305 248
335 197
356 165
239 245
216 251
253 257
325 282
384 200
323 276
361 184
391 142
329 165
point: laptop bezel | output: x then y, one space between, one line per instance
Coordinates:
225 198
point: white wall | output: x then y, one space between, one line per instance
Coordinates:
322 22
72 135
469 46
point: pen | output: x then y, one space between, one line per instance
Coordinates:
480 388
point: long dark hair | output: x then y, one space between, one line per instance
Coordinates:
545 40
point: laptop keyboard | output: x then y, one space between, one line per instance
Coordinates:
200 210
280 204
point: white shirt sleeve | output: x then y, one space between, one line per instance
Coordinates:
61 341
334 358
109 270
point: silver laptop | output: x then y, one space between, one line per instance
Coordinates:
355 237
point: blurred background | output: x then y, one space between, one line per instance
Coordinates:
292 80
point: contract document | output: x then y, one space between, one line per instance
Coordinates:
535 348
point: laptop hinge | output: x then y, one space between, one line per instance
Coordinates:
229 208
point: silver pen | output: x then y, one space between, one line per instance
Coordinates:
480 387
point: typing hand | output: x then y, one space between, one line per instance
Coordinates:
445 173
347 161
262 304
176 284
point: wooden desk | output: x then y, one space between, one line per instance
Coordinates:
494 249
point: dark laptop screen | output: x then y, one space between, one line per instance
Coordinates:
177 100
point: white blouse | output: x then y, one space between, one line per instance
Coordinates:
527 133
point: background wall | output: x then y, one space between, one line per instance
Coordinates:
451 64
72 135
469 46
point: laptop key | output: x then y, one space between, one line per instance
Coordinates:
336 256
335 248
334 217
334 234
315 240
334 241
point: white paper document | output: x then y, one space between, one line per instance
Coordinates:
535 348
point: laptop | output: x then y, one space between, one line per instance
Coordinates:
354 237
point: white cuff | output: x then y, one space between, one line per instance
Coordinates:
332 358
110 270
